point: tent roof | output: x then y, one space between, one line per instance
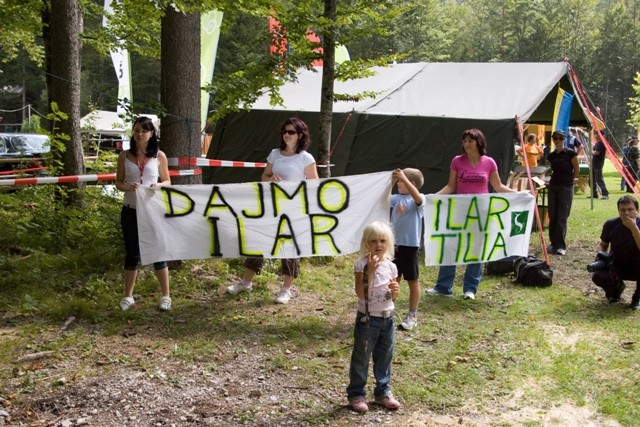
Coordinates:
102 120
109 121
483 91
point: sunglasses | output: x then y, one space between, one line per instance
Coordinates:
557 138
289 132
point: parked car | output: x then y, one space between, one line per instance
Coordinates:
15 145
22 148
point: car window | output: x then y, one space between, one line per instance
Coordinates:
24 144
38 143
19 144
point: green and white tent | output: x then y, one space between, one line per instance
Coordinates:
415 120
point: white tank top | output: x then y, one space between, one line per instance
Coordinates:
146 174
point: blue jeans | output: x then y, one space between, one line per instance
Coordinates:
378 339
472 276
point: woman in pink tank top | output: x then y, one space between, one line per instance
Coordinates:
470 173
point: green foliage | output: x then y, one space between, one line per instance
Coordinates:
599 38
256 71
242 88
57 140
124 29
616 51
37 225
58 259
634 104
32 125
21 34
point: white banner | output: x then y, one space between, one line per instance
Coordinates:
323 217
120 58
210 24
473 228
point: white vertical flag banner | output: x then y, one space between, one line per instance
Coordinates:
476 228
120 58
290 219
209 35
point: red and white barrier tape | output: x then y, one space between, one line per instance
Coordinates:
83 178
229 163
17 171
59 179
172 162
199 161
185 172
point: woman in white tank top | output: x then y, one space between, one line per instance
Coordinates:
289 162
143 165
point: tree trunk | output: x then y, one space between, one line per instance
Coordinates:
65 26
180 135
326 101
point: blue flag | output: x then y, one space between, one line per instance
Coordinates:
562 111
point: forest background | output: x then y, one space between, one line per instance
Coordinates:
600 38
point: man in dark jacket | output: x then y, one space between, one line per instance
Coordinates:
620 237
597 163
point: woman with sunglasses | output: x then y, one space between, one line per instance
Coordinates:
289 162
565 168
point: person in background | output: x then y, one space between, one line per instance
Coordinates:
407 212
631 156
374 330
620 238
143 165
545 153
470 173
597 162
565 168
625 163
289 162
574 143
532 150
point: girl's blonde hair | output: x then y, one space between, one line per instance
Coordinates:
378 230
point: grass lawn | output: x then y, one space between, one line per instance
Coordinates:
515 356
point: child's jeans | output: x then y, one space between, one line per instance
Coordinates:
377 339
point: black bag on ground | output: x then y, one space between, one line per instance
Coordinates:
501 266
531 271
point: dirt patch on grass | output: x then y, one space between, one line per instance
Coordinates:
242 392
137 377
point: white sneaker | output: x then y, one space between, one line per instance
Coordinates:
283 296
165 304
469 295
239 286
409 322
561 251
126 303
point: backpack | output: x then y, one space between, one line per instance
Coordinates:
502 266
531 271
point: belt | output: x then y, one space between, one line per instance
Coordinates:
127 205
383 314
